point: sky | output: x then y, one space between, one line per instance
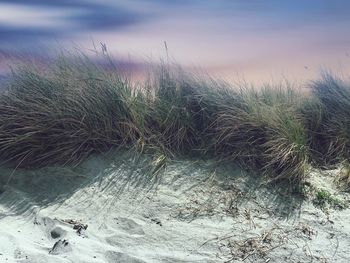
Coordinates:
256 40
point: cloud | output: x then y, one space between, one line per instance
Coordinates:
37 20
105 17
34 21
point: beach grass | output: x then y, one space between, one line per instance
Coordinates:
329 120
64 113
262 129
61 114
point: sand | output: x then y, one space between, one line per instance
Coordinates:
190 212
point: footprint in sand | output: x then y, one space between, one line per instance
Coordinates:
116 241
114 257
60 247
58 232
19 254
129 226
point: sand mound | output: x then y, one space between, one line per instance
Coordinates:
108 210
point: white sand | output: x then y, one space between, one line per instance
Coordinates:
190 213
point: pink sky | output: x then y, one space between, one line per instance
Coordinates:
259 41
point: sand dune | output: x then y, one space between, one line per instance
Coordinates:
191 212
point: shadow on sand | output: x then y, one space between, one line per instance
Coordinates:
119 173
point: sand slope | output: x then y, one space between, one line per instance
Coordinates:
193 212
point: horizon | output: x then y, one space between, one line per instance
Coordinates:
257 41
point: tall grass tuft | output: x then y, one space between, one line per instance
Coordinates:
62 114
180 114
328 121
262 129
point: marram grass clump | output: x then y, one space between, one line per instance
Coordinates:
75 107
262 129
63 114
175 120
328 118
